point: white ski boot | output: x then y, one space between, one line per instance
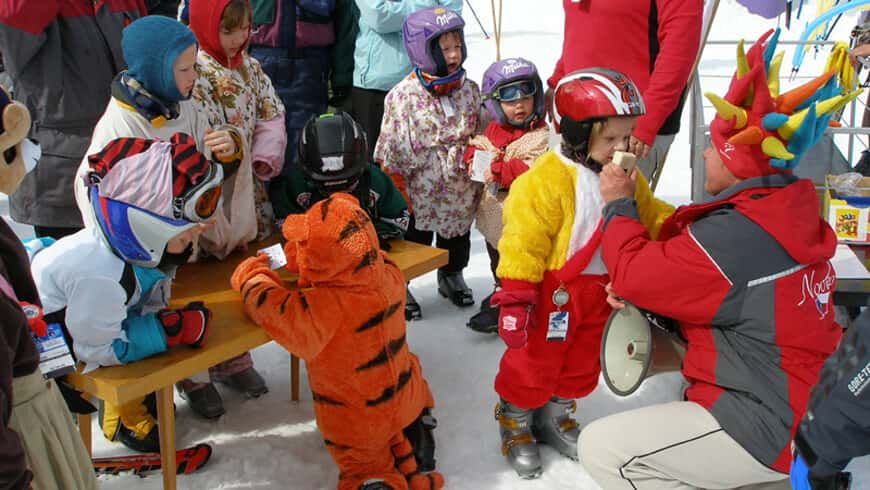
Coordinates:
552 425
517 443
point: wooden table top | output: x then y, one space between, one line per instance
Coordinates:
231 332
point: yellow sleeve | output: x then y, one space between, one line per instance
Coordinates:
653 212
532 218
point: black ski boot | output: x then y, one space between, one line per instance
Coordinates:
452 286
552 425
412 308
419 434
485 320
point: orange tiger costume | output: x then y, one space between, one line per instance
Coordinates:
346 321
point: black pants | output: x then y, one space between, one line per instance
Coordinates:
458 248
493 260
368 110
56 232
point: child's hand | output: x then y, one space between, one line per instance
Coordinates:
251 267
638 147
487 176
179 242
262 169
220 143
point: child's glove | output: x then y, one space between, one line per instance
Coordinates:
188 325
516 301
250 267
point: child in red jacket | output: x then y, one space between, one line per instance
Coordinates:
514 97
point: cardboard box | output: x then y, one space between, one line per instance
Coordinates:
849 216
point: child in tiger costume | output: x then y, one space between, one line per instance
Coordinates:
346 322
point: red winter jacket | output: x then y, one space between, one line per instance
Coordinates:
654 42
748 279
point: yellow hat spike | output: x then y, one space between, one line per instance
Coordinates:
742 63
773 147
845 99
727 110
773 74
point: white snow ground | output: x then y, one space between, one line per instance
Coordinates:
273 443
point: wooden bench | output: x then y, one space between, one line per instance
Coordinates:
231 333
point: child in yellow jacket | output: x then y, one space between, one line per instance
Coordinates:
553 303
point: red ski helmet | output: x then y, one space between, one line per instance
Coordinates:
595 93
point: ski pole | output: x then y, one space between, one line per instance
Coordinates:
485 35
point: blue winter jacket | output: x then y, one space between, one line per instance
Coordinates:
380 61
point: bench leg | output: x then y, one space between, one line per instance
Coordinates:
294 378
166 425
85 430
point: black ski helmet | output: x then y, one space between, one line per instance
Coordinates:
333 151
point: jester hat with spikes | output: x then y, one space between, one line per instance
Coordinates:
758 131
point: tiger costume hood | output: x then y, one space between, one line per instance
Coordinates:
334 244
347 322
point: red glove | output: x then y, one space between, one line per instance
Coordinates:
516 300
188 325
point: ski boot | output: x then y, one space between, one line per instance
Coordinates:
118 432
452 286
419 434
552 425
205 402
412 308
247 382
517 443
486 320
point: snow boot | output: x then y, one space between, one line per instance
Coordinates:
452 286
486 320
149 444
517 442
552 425
247 382
412 308
205 402
419 434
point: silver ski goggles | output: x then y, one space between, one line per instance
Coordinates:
515 91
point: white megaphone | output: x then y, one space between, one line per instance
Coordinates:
634 348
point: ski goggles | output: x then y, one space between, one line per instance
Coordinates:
515 91
201 201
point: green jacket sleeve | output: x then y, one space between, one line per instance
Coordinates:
285 199
391 215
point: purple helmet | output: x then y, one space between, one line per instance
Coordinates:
421 32
511 79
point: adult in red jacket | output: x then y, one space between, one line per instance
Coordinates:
657 44
747 277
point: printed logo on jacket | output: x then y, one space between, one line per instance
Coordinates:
818 289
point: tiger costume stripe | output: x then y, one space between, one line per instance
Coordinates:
345 322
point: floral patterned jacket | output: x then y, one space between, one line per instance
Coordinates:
423 138
242 97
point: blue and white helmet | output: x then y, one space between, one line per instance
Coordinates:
144 192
